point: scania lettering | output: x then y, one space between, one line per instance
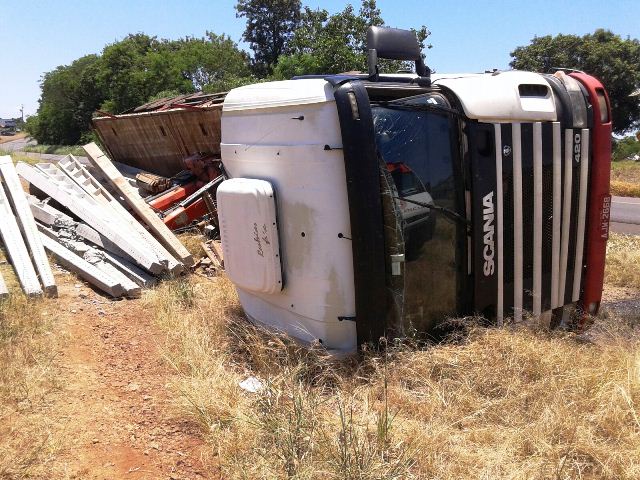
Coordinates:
488 216
393 202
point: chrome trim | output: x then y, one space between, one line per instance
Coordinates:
499 225
517 222
537 218
557 213
582 212
566 212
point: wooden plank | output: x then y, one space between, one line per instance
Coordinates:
166 237
217 250
212 256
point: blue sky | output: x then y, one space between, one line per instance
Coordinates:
37 36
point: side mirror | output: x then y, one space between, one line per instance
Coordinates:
394 44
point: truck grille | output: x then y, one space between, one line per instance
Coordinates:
528 210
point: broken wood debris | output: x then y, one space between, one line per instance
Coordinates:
211 265
152 183
213 250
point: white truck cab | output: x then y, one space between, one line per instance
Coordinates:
364 206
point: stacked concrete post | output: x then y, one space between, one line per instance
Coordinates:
103 243
21 238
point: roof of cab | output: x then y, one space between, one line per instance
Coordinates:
498 97
488 97
279 94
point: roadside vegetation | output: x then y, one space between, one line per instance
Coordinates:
626 148
491 403
623 261
28 377
56 149
286 39
513 402
625 178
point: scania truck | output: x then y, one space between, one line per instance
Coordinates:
363 206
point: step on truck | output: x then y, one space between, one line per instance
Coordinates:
380 205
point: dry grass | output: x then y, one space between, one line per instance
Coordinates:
18 157
625 189
623 261
192 242
76 150
626 170
625 178
27 377
497 403
505 403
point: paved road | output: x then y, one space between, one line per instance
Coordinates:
15 145
625 215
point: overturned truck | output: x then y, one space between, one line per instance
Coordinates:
374 205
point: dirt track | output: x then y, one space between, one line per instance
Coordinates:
11 138
114 406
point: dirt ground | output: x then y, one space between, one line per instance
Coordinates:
9 138
114 406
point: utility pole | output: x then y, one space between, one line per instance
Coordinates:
22 112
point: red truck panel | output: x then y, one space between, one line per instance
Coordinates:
183 216
599 202
173 195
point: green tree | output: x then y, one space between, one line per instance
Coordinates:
336 43
270 26
212 63
614 60
129 73
138 67
70 95
625 148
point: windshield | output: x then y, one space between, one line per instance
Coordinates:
416 147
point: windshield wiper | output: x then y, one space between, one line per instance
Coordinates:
438 208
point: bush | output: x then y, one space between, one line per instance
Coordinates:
625 149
